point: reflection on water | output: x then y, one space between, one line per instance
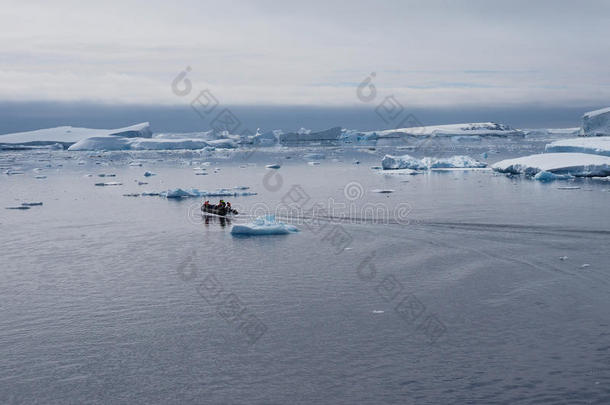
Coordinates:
215 219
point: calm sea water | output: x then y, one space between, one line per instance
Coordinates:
464 287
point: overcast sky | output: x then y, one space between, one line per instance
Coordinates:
427 53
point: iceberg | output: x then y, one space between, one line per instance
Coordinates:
595 145
106 144
544 176
471 129
575 164
390 162
402 162
193 192
596 123
266 225
67 135
329 135
454 162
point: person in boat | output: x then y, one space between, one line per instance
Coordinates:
222 204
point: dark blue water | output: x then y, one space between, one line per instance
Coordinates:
489 290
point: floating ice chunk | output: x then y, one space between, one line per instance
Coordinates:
544 176
313 163
584 266
31 204
131 195
575 164
148 174
267 225
150 194
40 177
135 164
382 191
458 162
390 162
11 172
109 183
106 175
273 166
563 258
193 192
568 188
401 162
19 207
180 193
596 145
241 187
314 156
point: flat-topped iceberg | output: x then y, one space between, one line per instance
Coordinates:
574 164
107 144
67 135
596 123
468 129
266 225
597 145
390 162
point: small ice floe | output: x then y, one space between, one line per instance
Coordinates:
109 183
201 173
135 164
568 188
11 172
241 187
314 156
40 176
313 163
140 183
376 311
148 174
266 225
376 167
273 166
563 258
151 194
356 162
382 191
545 176
131 195
31 204
19 207
106 175
584 266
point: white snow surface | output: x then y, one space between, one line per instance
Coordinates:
575 164
266 225
599 145
390 162
71 135
596 123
